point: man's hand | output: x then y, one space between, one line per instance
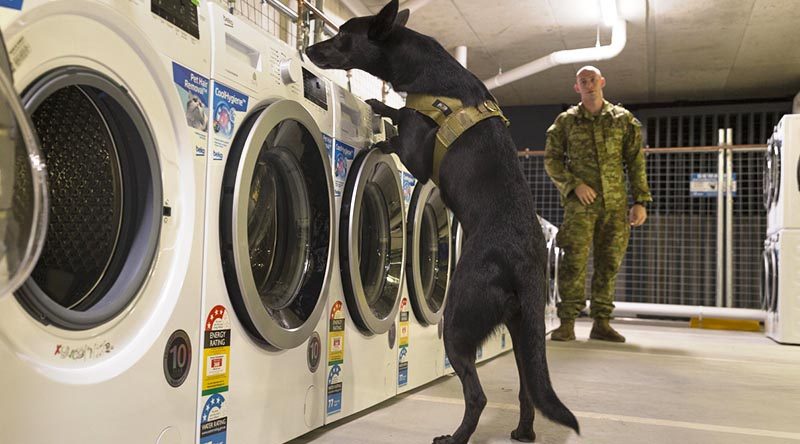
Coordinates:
585 194
638 215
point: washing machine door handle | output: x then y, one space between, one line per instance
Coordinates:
23 203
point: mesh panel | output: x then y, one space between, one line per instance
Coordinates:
265 17
672 259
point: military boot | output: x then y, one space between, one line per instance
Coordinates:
602 331
565 331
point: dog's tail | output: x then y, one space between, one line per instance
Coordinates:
535 368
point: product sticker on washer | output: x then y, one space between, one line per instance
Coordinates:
214 420
229 108
193 91
402 357
409 182
342 159
328 141
334 401
13 4
336 335
216 351
446 361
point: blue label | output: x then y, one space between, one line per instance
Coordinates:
402 370
409 182
328 140
214 421
706 184
193 89
334 404
446 361
13 4
479 352
344 155
227 102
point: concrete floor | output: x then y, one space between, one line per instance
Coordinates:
667 384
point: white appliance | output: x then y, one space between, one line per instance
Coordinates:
98 344
430 263
781 180
782 286
364 298
269 240
551 321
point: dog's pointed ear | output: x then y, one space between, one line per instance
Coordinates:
384 23
402 17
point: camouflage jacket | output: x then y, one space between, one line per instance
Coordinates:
594 149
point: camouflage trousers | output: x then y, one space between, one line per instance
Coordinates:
585 228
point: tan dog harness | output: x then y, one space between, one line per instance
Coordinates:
453 119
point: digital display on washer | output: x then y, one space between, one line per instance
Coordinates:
314 89
181 13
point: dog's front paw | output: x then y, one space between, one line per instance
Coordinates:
376 105
385 147
523 435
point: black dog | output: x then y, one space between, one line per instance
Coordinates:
500 277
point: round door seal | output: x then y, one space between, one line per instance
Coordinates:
314 352
392 335
177 358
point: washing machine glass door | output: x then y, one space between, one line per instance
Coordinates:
275 224
372 239
430 247
23 193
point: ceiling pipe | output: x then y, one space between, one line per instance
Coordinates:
619 38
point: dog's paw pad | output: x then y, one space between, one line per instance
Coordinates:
523 436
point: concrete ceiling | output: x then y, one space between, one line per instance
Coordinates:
676 49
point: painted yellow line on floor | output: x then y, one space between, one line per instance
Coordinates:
631 419
672 356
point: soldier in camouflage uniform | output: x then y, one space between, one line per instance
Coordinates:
588 147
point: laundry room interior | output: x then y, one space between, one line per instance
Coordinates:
399 221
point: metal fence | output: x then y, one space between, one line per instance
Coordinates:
674 257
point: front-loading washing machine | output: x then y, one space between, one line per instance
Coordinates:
269 240
364 298
97 345
429 265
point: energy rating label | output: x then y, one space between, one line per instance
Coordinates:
216 351
335 359
402 357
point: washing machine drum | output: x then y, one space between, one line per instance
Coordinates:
430 246
372 241
23 192
104 199
275 224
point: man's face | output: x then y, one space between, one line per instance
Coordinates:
589 84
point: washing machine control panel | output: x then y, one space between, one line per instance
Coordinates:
181 13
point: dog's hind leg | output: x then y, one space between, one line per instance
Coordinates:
473 310
524 431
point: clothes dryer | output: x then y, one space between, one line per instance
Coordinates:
782 176
269 240
364 298
97 345
782 286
